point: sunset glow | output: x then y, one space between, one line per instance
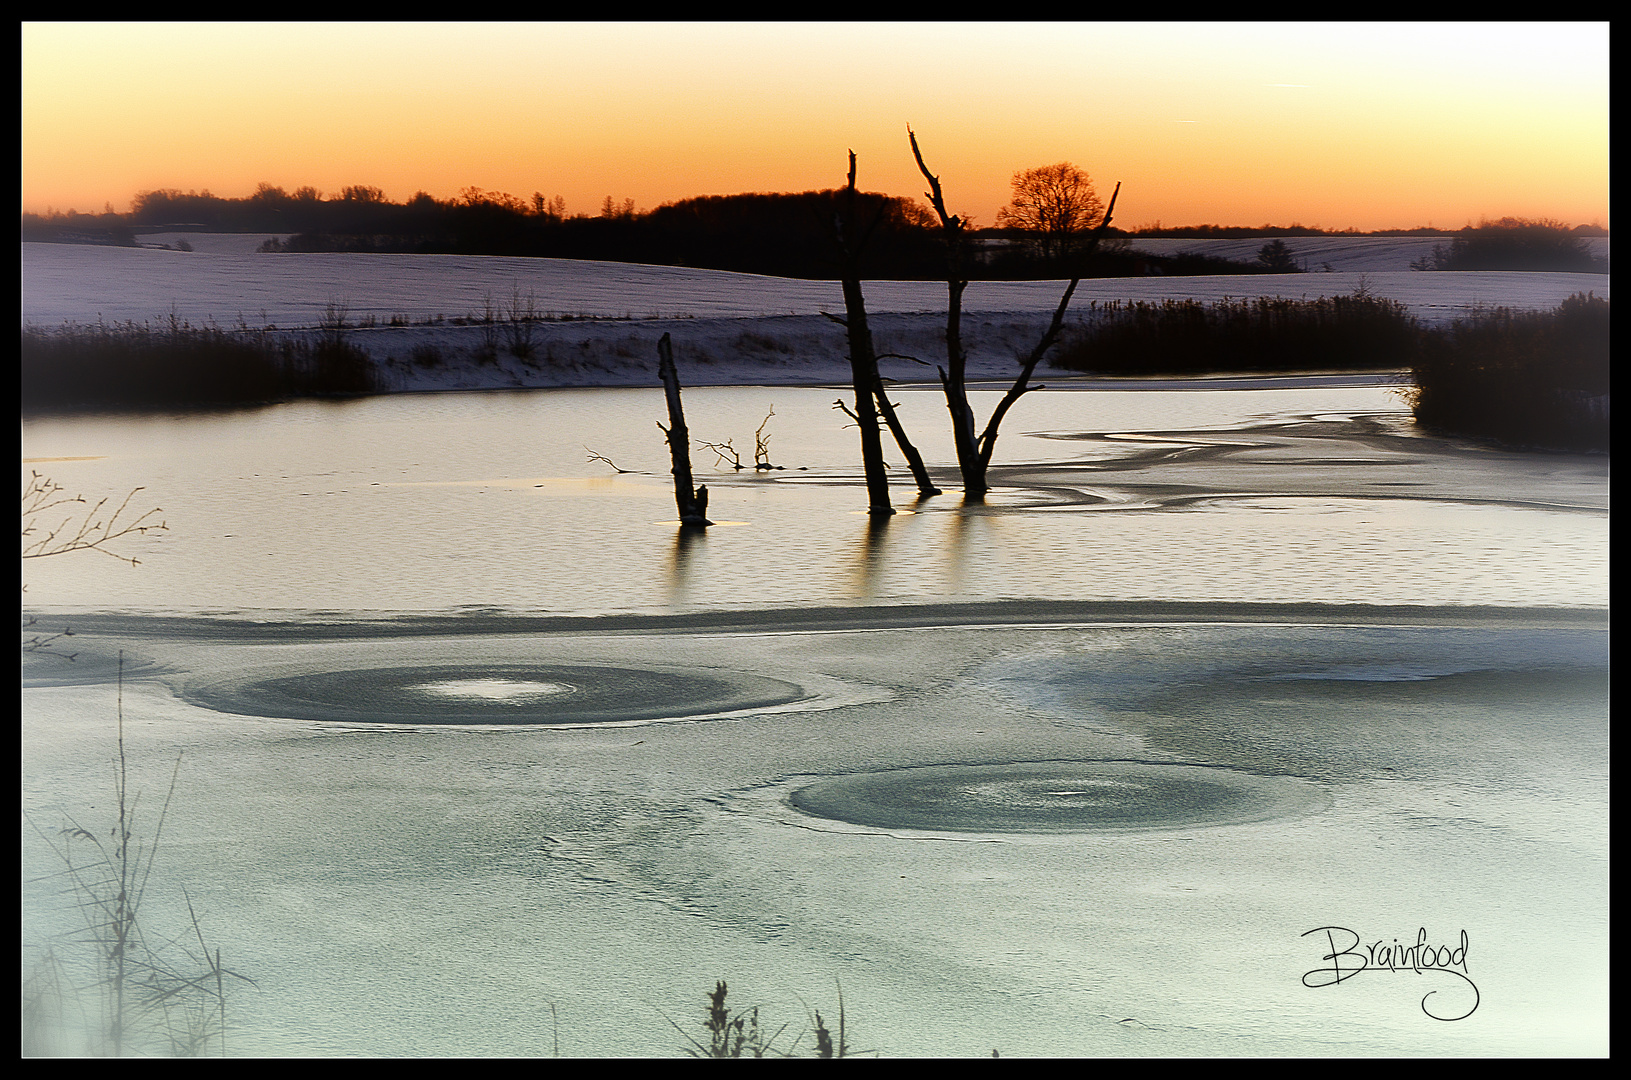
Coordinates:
1368 125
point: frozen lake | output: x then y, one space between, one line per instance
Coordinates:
469 731
1103 835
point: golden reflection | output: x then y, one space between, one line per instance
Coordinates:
870 563
967 528
688 540
553 485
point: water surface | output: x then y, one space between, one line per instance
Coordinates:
491 500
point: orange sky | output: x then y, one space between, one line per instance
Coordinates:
1370 125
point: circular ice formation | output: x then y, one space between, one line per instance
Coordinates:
492 694
1055 796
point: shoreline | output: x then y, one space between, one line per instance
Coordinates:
276 624
1059 380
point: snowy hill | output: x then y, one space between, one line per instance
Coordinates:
445 321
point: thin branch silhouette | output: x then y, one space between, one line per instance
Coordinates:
93 532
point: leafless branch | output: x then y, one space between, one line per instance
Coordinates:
1022 384
92 533
594 457
761 444
724 452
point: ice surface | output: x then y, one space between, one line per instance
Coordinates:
489 501
435 890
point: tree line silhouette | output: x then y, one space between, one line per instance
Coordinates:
779 234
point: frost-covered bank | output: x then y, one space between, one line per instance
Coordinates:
782 350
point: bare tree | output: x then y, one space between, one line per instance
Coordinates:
914 460
1057 205
727 451
863 361
974 451
692 503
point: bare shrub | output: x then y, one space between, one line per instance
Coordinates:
520 314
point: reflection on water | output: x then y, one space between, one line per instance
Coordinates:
460 501
870 559
679 571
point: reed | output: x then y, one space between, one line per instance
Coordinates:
737 1034
136 366
1531 379
1184 337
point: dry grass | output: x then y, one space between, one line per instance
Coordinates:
739 1034
1181 337
154 994
136 366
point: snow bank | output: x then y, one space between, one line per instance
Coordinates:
776 351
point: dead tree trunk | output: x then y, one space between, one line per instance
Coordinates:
863 360
1022 384
863 375
692 503
886 409
914 460
953 380
974 452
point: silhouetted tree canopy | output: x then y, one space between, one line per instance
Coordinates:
1055 206
790 235
1516 244
1277 257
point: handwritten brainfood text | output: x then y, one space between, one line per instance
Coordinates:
1421 957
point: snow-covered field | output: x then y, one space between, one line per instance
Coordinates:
1341 254
602 320
1369 254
